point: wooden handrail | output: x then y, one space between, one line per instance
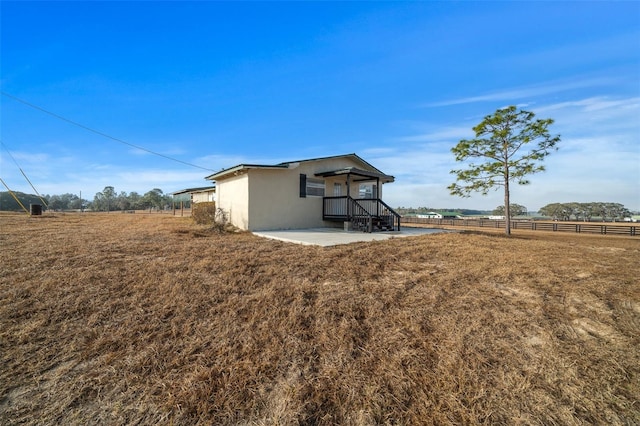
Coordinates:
395 214
359 216
361 212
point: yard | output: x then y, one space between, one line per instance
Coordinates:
151 319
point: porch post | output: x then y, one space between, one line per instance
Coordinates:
377 196
348 196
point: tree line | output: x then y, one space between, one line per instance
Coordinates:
586 211
514 209
106 200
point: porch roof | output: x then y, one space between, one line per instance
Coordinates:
364 174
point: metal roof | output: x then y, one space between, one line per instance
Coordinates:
285 165
190 190
240 167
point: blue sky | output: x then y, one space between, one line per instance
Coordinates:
218 84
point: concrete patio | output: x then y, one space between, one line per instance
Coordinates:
327 237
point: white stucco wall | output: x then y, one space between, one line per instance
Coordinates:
232 196
201 197
275 201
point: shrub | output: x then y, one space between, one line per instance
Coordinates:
221 222
204 213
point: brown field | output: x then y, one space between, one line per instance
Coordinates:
150 319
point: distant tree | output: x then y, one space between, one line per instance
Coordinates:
515 209
625 213
63 201
576 210
498 142
122 201
585 211
567 210
553 210
104 200
77 203
99 203
9 203
611 211
109 194
135 200
154 198
55 203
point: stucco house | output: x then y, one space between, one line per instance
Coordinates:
338 191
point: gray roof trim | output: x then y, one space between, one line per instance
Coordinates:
239 167
354 156
357 172
190 190
226 172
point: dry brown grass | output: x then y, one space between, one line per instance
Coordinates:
147 319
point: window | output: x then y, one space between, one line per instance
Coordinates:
368 190
337 189
315 187
311 187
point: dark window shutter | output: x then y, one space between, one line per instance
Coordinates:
303 185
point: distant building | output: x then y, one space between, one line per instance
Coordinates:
440 215
195 195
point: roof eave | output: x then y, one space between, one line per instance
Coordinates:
241 167
199 189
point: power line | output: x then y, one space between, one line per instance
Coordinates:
97 132
14 196
23 173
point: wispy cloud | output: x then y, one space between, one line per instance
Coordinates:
597 103
520 93
597 124
30 158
